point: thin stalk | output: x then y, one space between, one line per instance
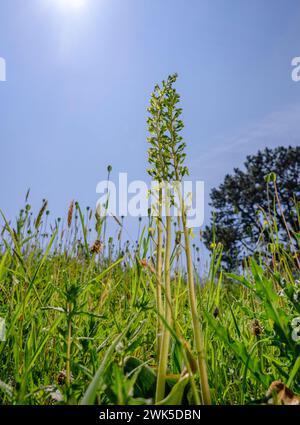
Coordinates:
69 343
165 343
197 329
159 302
294 250
106 209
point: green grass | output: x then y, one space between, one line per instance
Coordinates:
81 327
92 320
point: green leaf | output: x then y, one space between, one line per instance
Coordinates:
294 372
91 392
176 394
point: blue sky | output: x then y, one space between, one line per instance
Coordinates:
79 80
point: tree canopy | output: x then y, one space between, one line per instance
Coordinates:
246 197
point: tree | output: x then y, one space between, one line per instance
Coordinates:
239 203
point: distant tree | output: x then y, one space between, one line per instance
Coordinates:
237 204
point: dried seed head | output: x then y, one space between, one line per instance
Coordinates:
40 214
62 376
70 214
256 328
96 247
279 393
178 237
216 312
144 263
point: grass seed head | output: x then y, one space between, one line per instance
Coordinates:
70 214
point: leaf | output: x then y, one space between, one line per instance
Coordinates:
86 245
43 343
238 348
102 274
294 371
31 284
146 380
12 234
91 392
176 394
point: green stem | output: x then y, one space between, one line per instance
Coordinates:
69 343
197 329
164 353
159 302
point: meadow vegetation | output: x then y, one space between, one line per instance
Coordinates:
92 319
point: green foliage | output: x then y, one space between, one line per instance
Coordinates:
81 321
95 320
240 203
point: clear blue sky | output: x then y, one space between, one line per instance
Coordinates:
78 84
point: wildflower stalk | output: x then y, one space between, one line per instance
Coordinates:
109 169
166 336
156 159
179 171
69 344
293 249
197 329
173 170
159 300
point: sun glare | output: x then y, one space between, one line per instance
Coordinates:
74 3
71 4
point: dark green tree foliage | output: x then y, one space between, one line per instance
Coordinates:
237 220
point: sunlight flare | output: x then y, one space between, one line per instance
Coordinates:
70 5
73 3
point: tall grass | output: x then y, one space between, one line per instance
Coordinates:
64 309
90 319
